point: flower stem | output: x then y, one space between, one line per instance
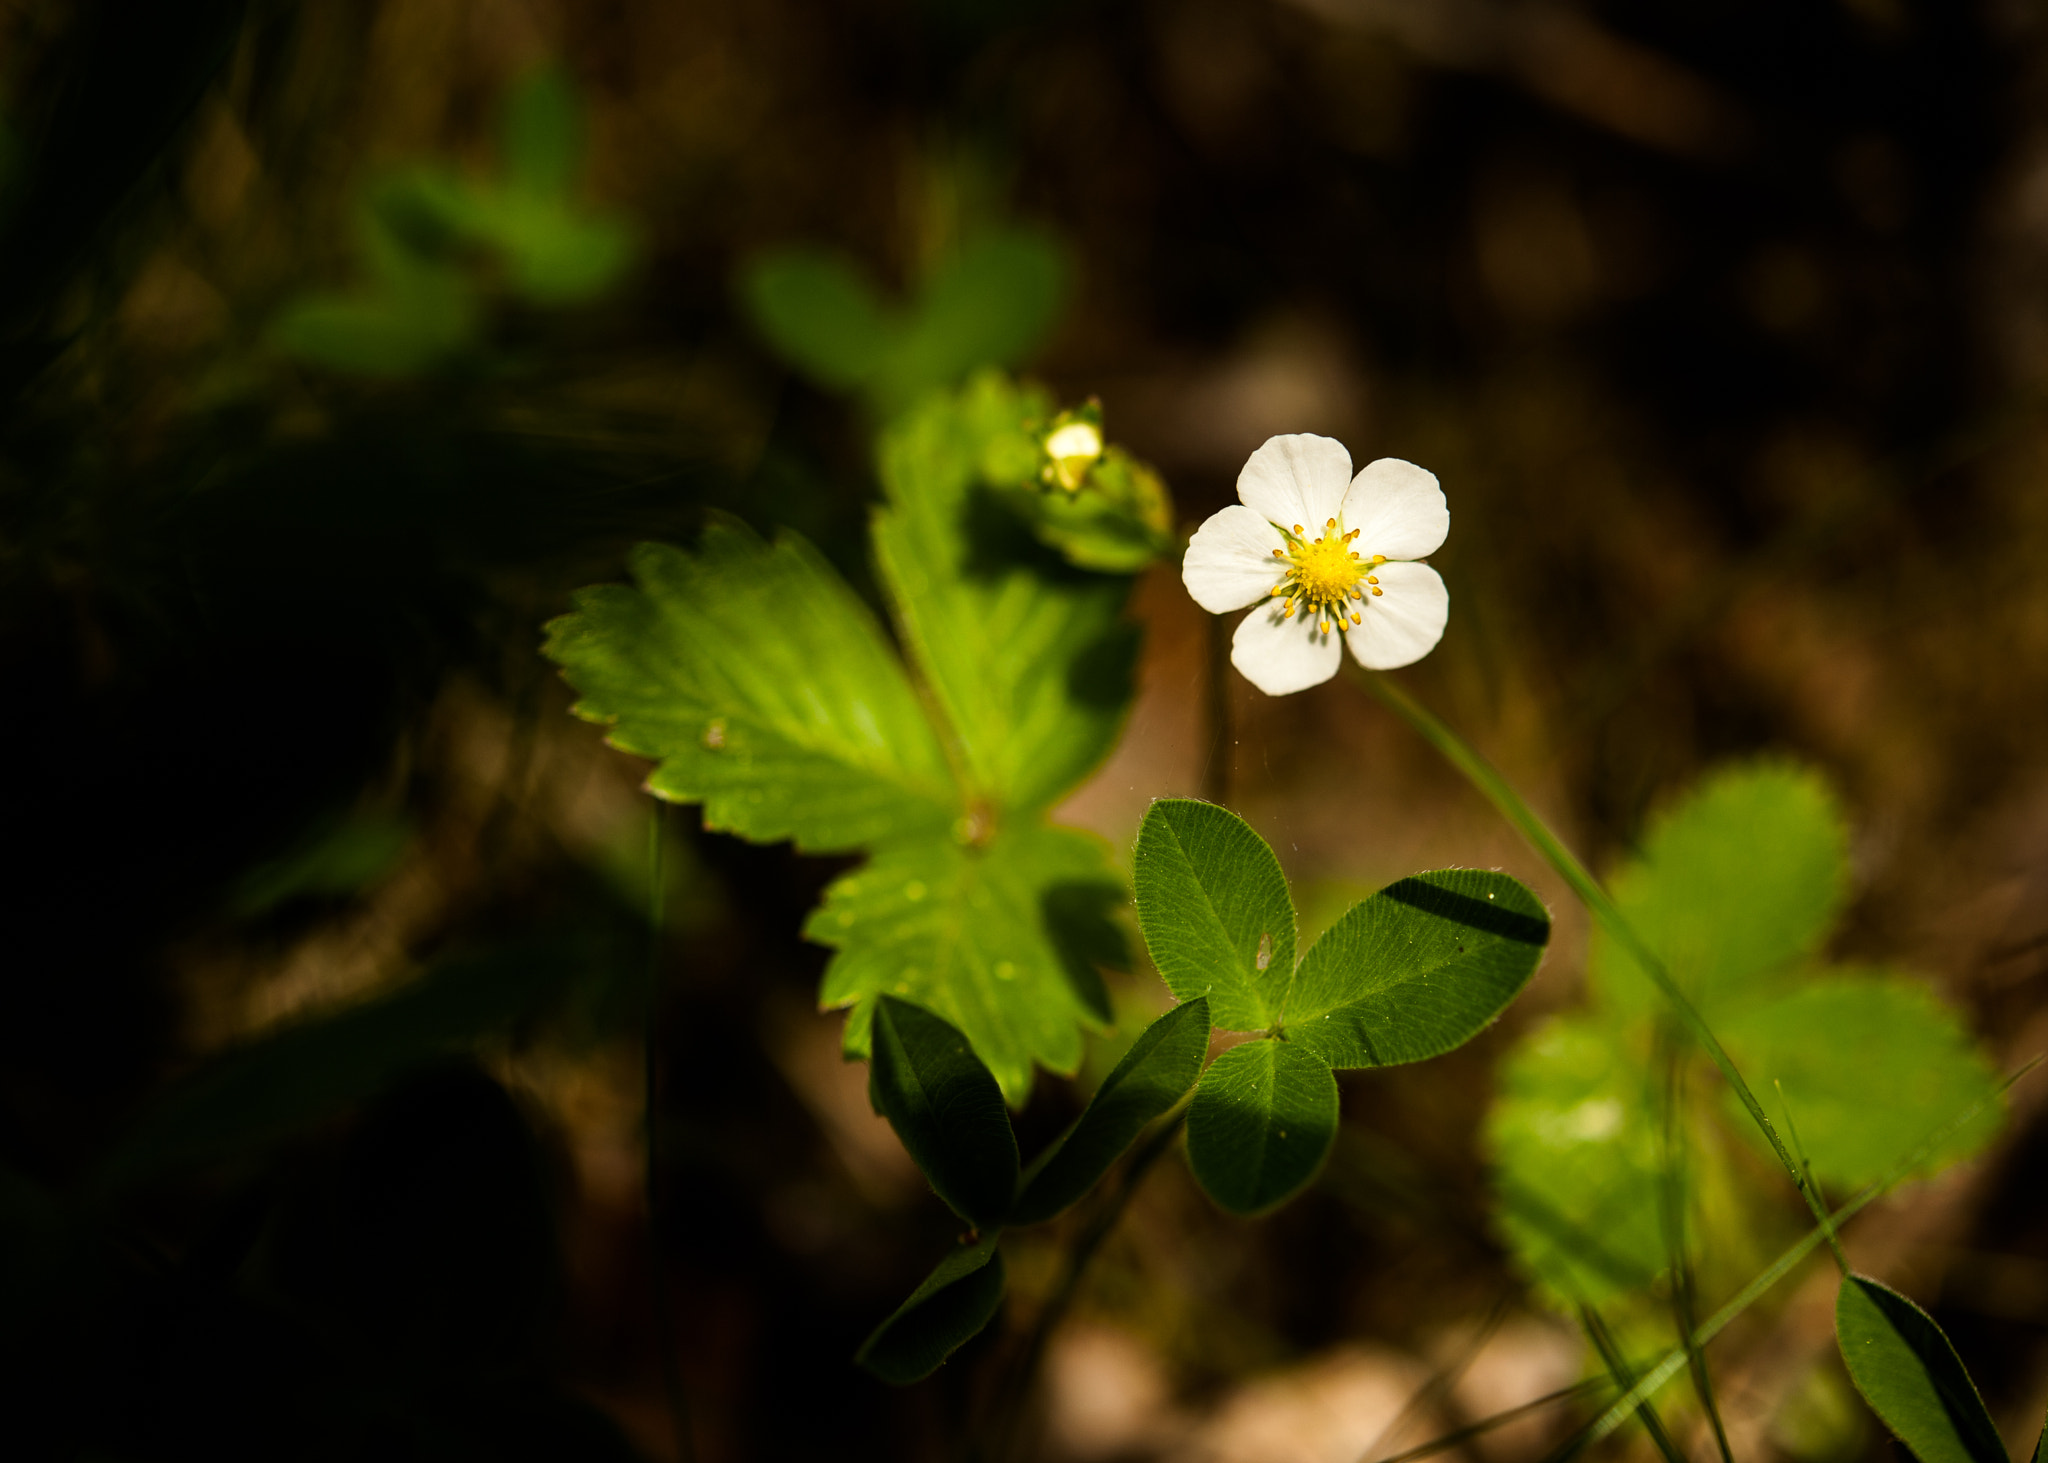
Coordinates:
1484 776
664 1322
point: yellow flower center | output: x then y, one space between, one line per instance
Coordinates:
1326 577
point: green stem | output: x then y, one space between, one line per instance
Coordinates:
664 1322
1496 789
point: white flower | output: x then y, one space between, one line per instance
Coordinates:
1321 551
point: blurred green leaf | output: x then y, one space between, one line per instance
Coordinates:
1911 1376
422 316
1573 1140
1869 1067
1740 879
1214 906
542 133
765 689
951 1307
1421 967
338 859
1154 1074
1262 1122
821 314
280 1083
988 303
1030 659
1117 521
946 1108
1000 939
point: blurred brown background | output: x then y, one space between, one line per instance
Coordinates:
1724 326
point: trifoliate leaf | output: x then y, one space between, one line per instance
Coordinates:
1030 658
1262 1122
1906 1369
1214 906
765 690
956 1300
1002 940
946 1108
1868 1069
1740 879
1154 1074
1421 967
1575 1151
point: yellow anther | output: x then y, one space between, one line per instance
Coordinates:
1358 619
1379 558
1278 589
1354 553
1352 535
1377 590
1297 528
1289 612
1372 579
1323 627
1279 553
1331 524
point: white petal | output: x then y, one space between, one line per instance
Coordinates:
1297 479
1404 624
1230 560
1398 510
1281 656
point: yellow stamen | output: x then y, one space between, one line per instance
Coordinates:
1377 590
1379 558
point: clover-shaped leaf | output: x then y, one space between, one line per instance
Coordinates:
1414 971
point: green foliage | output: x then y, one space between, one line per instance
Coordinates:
1736 888
766 691
425 231
1867 1066
1732 886
1262 1123
340 858
1214 906
1153 1075
989 302
1911 1376
946 1107
956 1300
1416 970
762 688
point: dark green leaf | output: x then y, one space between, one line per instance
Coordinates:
1739 880
1263 1120
765 689
1868 1068
820 313
956 1300
543 134
1154 1074
1030 658
1214 907
1421 967
1911 1376
279 1083
1002 940
946 1107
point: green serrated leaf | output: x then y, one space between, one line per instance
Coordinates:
820 312
959 1298
946 1108
764 688
1262 1122
1867 1066
1421 967
1001 940
1736 882
1154 1074
1214 906
1911 1376
1574 1147
1030 658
